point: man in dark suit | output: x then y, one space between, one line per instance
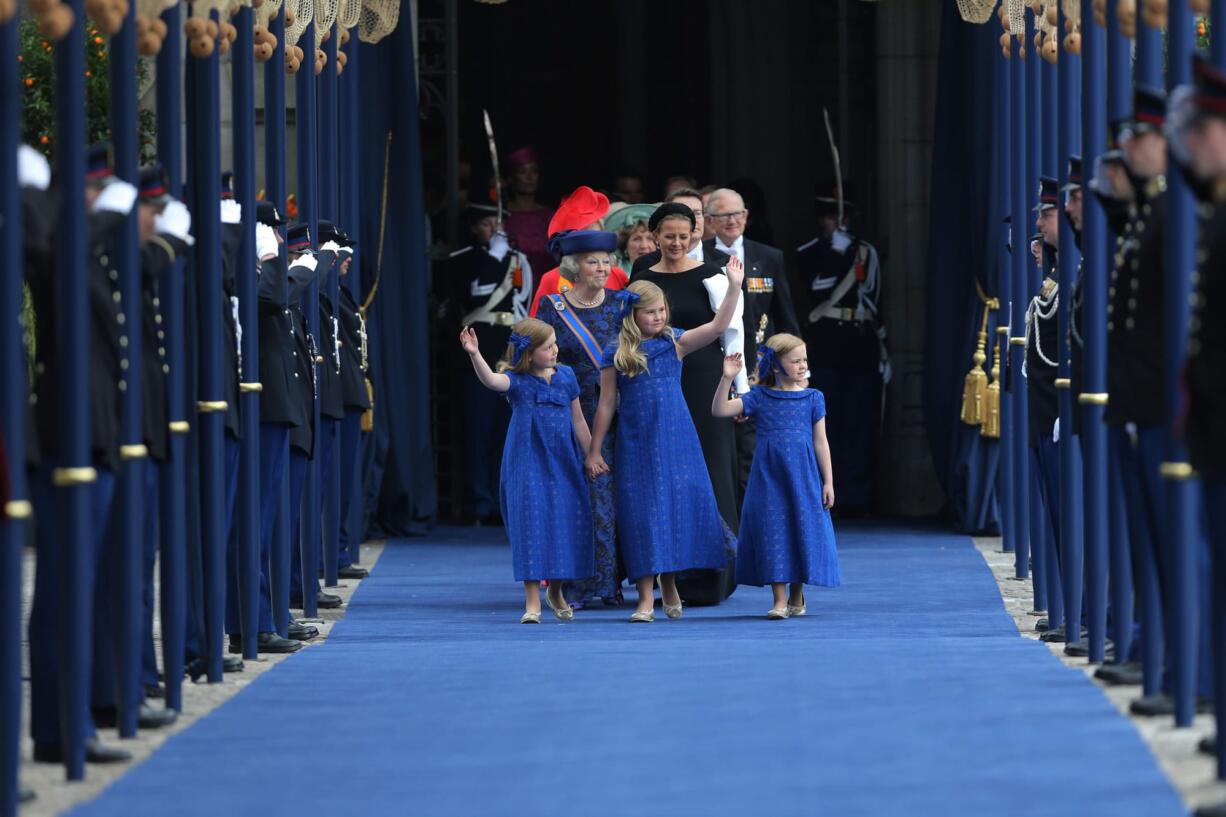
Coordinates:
768 300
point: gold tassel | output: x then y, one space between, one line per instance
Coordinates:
975 386
991 400
368 416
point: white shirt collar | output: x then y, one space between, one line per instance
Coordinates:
696 252
737 246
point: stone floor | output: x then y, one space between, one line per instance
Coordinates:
47 780
1192 773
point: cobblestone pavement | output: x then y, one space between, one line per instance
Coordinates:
47 779
1191 773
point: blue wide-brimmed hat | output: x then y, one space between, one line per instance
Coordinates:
576 241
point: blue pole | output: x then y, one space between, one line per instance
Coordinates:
1095 396
274 184
328 208
172 564
243 114
1000 340
1182 491
350 219
1020 456
16 512
308 211
74 477
1068 77
211 404
129 522
1094 338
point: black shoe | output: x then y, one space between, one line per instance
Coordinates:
1126 674
95 752
1208 745
25 796
324 601
352 572
273 643
302 632
155 691
199 667
1163 704
1217 810
107 717
1081 649
1042 625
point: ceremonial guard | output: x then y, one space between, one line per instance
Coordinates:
331 401
492 287
846 342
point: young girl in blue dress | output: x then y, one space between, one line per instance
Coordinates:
786 538
667 518
544 492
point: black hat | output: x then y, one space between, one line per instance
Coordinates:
671 209
1148 110
1049 193
1210 85
266 213
472 212
98 162
153 189
1074 175
298 238
227 185
330 232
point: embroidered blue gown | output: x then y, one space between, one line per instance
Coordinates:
667 517
786 535
604 322
544 493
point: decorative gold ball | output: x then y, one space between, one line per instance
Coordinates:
1072 42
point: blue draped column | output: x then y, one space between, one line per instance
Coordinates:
128 517
1019 457
1068 75
328 209
274 184
74 476
243 118
173 493
16 512
1217 54
308 211
1005 140
1095 397
1183 529
1094 344
210 404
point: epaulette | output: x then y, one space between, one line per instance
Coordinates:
461 251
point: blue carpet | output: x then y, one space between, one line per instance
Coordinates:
905 692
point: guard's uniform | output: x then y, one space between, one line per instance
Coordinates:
845 339
356 400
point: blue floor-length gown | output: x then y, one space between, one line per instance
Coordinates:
544 493
667 517
786 535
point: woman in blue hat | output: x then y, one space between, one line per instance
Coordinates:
586 317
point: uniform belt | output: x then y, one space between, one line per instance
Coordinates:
497 318
848 314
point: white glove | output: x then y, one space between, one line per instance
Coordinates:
265 242
840 241
499 246
175 220
330 246
33 170
307 261
116 197
231 212
1055 431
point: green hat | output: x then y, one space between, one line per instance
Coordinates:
620 216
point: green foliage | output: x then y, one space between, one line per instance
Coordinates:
1202 33
37 59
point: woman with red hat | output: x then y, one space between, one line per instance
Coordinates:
526 220
581 210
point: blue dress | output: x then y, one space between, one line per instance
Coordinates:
604 322
544 492
786 535
667 518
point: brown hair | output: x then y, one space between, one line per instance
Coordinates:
684 193
627 232
535 330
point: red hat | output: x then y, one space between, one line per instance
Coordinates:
578 210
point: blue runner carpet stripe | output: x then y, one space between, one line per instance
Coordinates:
905 691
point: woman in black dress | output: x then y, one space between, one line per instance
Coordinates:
689 304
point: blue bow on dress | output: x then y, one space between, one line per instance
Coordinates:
626 298
520 344
767 360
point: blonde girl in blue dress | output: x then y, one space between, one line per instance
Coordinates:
786 538
544 491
